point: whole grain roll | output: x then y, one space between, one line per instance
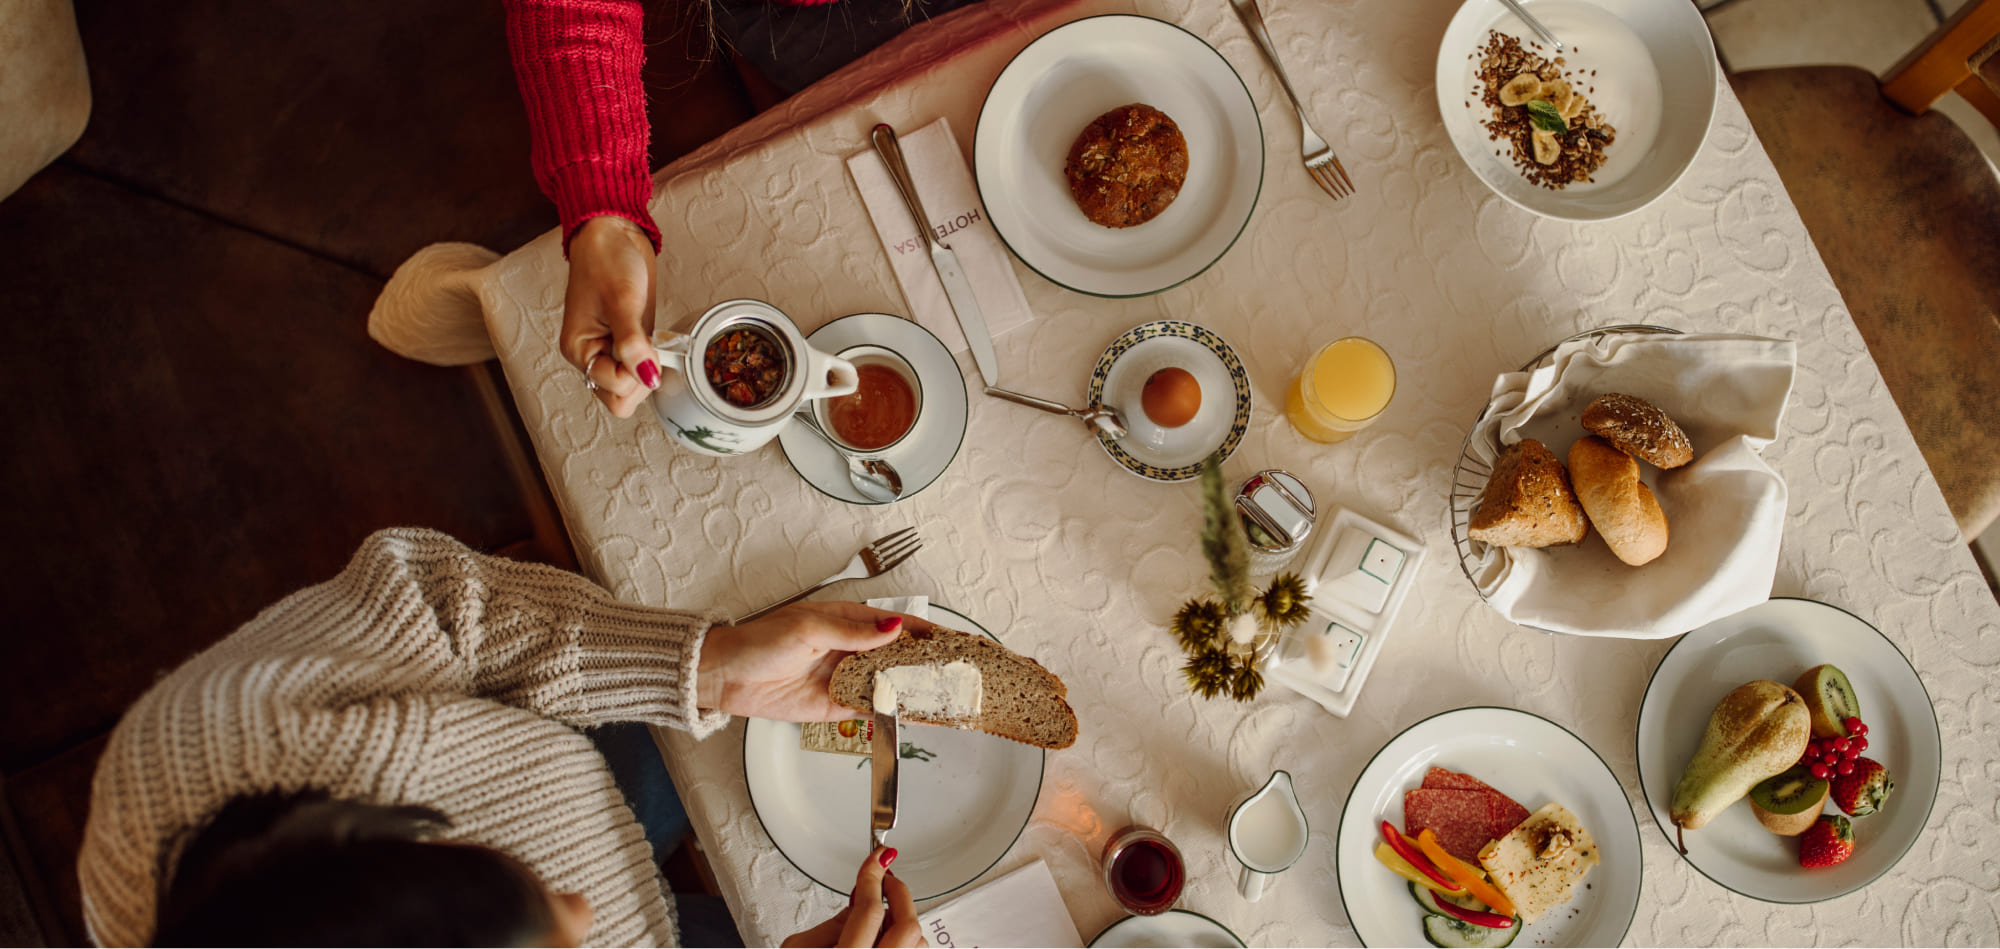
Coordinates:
1620 506
1127 166
1018 699
1639 428
1528 501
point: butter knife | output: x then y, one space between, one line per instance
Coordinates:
883 751
956 290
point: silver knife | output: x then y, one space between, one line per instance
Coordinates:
956 290
883 750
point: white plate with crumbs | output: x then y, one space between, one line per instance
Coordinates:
1524 756
966 796
1648 68
1053 89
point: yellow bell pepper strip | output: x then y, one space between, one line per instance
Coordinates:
1402 868
1403 848
1468 877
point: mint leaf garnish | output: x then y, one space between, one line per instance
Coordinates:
1546 116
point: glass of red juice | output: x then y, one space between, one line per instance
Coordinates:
1143 870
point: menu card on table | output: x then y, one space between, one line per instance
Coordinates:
1023 908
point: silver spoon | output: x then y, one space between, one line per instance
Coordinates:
1100 418
876 479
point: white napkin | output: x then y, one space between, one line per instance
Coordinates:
944 183
918 606
1725 510
1023 908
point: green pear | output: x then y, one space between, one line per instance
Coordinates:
1756 731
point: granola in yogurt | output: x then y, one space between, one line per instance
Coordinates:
1542 118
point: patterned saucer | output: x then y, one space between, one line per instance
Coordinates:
1161 454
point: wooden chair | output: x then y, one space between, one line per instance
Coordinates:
1906 214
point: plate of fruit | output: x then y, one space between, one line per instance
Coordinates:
1789 752
1487 827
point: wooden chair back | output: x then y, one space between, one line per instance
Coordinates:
1959 57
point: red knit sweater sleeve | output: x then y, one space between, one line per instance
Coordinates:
578 63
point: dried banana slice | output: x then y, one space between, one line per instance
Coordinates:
1520 89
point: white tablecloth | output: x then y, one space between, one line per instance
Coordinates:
1035 533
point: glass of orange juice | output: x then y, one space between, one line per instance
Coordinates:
1344 388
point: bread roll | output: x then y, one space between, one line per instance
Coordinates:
1018 699
1527 501
1638 427
1622 508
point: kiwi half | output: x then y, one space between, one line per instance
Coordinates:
1830 699
1788 803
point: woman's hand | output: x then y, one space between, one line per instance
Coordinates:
865 922
607 326
778 666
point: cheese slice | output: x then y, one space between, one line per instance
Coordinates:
1540 862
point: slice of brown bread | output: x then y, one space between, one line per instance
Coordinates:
1528 501
1018 699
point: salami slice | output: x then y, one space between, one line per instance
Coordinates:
1463 816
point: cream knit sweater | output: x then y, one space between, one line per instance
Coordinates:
425 673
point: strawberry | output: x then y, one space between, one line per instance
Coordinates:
1828 841
1863 792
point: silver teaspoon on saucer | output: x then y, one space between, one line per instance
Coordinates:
877 480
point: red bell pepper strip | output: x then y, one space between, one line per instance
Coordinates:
1475 917
1403 848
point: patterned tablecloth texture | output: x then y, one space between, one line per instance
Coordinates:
1037 535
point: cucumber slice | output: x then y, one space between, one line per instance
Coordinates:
1448 933
1428 899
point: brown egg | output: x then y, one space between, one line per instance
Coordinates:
1171 397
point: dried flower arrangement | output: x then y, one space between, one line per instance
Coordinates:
1222 634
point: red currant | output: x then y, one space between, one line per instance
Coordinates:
1851 753
1860 727
1846 768
1853 724
1821 771
1831 758
1841 743
1860 745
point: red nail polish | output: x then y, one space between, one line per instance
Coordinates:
888 857
649 374
887 624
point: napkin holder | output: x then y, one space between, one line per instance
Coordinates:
1359 573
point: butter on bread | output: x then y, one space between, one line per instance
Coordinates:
1540 862
1019 699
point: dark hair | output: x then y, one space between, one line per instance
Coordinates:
303 869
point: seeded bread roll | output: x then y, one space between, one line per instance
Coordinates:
1528 501
1638 427
1127 166
1622 508
1018 699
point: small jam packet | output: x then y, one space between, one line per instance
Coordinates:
851 737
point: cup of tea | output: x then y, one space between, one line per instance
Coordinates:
1143 870
883 408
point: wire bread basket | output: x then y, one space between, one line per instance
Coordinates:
1470 477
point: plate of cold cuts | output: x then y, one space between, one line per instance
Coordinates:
1480 826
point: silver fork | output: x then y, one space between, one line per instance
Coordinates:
874 560
1321 163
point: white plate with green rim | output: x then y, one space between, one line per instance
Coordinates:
1175 927
1053 89
1524 756
1779 640
965 797
1162 454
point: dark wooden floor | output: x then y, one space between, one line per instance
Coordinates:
197 421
